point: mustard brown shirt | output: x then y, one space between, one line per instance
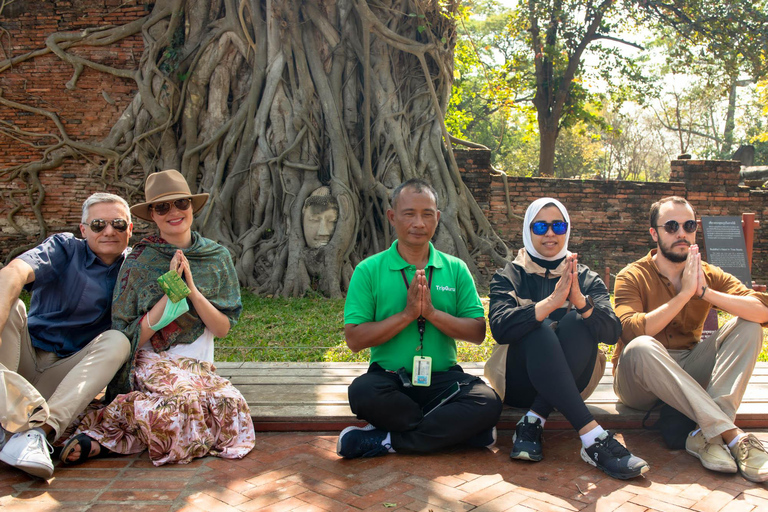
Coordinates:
641 288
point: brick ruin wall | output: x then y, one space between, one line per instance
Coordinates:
609 217
87 112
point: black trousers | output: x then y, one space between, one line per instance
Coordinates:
547 370
380 398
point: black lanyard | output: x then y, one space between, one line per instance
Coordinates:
421 322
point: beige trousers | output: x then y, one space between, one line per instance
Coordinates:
705 383
38 387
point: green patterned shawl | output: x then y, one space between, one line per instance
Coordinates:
137 291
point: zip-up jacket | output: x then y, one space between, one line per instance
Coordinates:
517 288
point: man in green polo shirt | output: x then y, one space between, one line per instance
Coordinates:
409 304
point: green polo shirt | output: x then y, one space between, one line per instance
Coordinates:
377 291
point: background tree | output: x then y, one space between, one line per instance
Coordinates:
259 104
552 42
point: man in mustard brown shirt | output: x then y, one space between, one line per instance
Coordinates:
662 301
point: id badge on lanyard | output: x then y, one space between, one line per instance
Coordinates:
422 365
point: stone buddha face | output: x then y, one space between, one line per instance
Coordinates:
319 217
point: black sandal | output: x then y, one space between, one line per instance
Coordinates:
84 442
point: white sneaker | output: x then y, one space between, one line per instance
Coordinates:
29 451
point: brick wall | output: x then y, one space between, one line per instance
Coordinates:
84 111
610 218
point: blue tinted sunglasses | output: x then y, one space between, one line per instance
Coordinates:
540 228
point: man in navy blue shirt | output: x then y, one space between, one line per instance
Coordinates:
55 360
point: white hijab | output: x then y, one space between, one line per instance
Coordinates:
530 214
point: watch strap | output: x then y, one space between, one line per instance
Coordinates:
589 305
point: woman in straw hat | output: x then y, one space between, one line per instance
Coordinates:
167 398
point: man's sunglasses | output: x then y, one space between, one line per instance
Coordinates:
165 207
98 225
559 227
671 226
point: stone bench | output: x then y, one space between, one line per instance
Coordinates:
313 397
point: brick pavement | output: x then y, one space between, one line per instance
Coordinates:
300 471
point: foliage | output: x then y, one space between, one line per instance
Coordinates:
566 60
757 131
734 33
634 148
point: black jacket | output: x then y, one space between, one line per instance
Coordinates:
517 288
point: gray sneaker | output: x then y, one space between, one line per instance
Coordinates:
30 452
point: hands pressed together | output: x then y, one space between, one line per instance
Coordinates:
419 299
693 281
180 264
566 289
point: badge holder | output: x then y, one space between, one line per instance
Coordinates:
422 371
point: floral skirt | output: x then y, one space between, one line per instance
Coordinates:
180 410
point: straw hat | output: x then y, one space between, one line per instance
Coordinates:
166 186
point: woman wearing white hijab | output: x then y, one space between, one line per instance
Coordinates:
547 315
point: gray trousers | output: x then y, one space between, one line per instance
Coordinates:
705 383
39 388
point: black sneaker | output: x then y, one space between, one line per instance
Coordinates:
364 441
613 458
484 439
527 439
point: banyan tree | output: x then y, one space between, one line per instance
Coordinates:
282 110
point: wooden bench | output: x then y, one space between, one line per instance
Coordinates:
313 397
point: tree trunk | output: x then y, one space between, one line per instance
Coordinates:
547 150
274 106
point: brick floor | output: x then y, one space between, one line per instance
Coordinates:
301 472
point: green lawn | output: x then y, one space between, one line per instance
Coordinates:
311 329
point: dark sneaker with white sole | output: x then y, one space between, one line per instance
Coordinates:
355 442
610 456
527 440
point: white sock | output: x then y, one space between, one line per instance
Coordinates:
534 415
588 439
387 443
736 439
695 432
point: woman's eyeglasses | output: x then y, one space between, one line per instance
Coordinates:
559 227
98 225
165 207
671 226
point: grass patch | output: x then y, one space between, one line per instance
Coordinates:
277 329
312 330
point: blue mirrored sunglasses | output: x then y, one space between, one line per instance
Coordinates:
559 227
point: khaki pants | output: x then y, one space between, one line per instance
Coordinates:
705 383
38 387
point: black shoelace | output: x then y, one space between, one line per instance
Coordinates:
615 448
529 432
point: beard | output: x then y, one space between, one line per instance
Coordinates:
674 257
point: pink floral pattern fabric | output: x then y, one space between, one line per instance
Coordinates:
180 410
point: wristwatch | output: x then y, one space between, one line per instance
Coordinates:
589 305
